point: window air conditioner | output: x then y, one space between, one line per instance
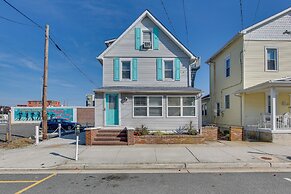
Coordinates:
147 45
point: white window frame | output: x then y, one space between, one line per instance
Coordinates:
181 106
164 69
226 59
120 69
266 59
148 106
152 37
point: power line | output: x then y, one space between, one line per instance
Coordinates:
168 17
24 15
241 15
14 21
186 26
54 42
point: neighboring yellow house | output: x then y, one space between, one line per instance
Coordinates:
250 80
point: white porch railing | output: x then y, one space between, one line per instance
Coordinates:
282 121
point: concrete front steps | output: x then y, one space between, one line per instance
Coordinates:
110 137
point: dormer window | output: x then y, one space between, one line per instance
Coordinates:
147 39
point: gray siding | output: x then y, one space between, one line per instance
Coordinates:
272 30
126 46
146 75
153 123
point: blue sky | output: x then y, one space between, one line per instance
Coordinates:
80 27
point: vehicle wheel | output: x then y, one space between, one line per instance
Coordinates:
69 127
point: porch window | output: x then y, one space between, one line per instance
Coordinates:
181 106
227 102
126 70
155 106
140 106
272 59
151 106
169 69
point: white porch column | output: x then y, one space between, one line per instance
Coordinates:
273 108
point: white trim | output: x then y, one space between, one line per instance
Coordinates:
120 68
146 13
245 31
181 106
266 20
104 112
152 36
163 69
148 106
266 59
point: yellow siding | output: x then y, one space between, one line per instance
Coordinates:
220 85
254 105
254 63
283 103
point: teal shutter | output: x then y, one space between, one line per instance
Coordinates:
159 69
134 69
156 38
137 38
177 69
116 69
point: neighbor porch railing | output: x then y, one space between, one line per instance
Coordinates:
282 121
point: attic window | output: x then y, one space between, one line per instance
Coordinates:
147 39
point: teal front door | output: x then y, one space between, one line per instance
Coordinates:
112 112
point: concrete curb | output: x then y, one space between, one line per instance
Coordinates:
159 166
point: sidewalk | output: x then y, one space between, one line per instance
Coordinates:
59 154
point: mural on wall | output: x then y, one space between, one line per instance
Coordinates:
34 114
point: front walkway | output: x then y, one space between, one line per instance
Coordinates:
59 153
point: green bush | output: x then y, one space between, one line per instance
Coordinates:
158 133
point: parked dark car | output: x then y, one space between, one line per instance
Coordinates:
53 124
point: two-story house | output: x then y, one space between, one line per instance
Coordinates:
147 80
250 83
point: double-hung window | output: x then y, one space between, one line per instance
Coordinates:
181 106
272 59
151 106
140 106
126 69
227 67
169 69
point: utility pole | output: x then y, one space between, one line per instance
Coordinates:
44 86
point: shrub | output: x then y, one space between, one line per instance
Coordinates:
190 129
158 133
143 130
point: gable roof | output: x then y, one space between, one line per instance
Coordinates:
247 30
145 14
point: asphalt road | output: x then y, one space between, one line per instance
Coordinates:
223 183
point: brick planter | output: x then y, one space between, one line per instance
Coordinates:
210 133
169 139
90 134
235 133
